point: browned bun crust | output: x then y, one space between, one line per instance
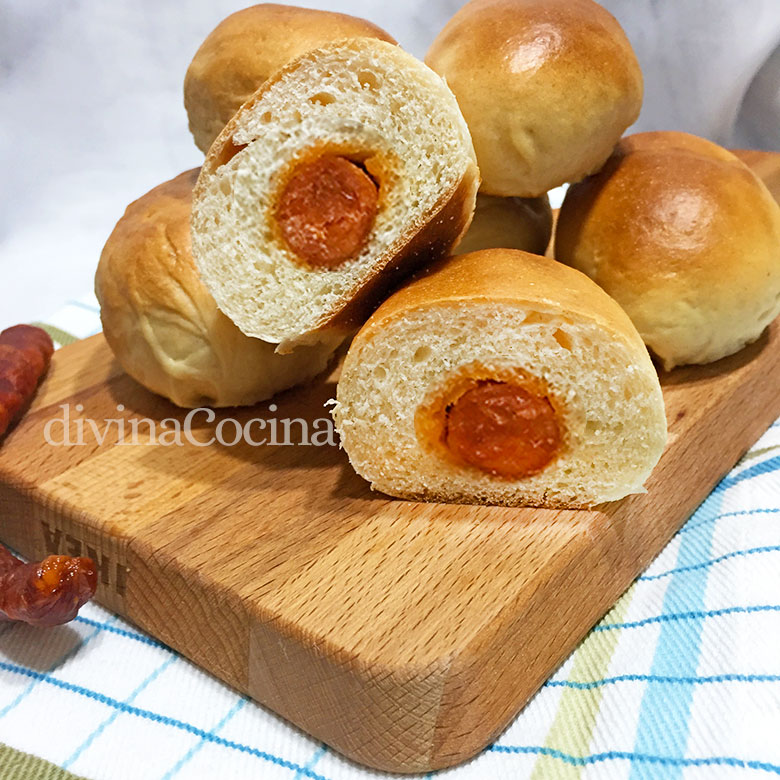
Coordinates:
165 328
685 237
547 88
509 223
246 48
503 275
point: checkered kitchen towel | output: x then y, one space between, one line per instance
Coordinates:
680 680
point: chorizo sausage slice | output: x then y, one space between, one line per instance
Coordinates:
326 211
503 429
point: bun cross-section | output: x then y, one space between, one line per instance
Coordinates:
501 377
346 171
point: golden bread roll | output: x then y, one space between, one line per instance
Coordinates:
685 238
547 88
509 223
164 327
347 170
501 377
246 48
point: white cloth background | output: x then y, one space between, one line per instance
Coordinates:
91 112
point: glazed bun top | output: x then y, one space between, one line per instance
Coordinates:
246 48
685 237
547 88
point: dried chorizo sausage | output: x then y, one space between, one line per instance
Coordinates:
326 211
503 429
47 593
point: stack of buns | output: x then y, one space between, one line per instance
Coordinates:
342 174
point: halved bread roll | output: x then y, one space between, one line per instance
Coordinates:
246 48
164 327
347 170
501 377
509 223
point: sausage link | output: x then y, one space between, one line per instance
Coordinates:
326 211
30 340
25 353
47 593
503 429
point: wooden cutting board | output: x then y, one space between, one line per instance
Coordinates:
404 635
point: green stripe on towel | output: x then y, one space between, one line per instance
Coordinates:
578 709
15 765
753 454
